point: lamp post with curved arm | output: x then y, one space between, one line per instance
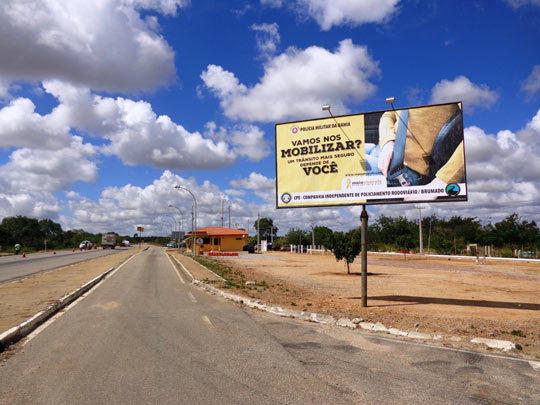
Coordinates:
194 232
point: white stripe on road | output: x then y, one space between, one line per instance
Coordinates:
176 270
207 321
192 298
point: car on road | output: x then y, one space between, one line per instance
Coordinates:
85 244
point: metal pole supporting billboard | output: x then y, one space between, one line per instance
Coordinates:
364 219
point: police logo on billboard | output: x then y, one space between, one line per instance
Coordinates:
286 198
295 130
452 189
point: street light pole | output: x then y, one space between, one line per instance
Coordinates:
180 223
194 232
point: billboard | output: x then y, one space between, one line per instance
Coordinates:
384 157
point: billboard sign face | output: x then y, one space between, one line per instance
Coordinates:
385 157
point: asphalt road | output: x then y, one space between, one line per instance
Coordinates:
146 335
16 267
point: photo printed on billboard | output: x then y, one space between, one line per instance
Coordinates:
385 157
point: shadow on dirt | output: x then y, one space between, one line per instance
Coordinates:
449 301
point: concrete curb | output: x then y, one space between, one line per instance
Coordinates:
18 332
503 345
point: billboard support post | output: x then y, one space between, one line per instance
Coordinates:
364 219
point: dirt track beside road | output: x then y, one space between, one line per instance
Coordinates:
451 297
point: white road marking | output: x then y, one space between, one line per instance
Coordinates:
176 270
207 321
192 298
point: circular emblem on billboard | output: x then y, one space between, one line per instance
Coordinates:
199 241
286 198
452 189
295 130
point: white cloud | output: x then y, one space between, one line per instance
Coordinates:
104 45
261 185
461 88
532 83
272 3
136 133
296 83
519 3
33 170
30 204
267 36
248 140
255 182
347 12
21 126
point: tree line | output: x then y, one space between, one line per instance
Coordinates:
35 235
444 236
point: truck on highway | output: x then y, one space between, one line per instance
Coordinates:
108 241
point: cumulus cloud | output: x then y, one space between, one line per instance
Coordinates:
255 182
496 174
48 170
248 141
103 45
347 12
296 83
461 88
136 133
261 185
519 3
272 3
532 83
126 207
268 38
30 204
21 126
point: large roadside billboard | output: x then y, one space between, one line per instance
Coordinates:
383 157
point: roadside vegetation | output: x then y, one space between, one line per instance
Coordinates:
510 237
35 235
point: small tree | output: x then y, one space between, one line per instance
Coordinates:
346 246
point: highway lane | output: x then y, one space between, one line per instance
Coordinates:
15 266
146 335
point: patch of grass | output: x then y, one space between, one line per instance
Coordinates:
472 327
309 304
518 346
518 332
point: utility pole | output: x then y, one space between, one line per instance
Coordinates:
312 235
222 206
229 216
420 228
258 232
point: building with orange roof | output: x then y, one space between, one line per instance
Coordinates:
218 239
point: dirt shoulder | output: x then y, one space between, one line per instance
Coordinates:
22 299
452 298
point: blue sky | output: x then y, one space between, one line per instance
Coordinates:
106 106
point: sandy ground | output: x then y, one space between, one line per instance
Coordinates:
412 293
447 297
22 299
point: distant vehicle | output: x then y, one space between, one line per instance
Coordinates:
125 243
85 244
108 241
249 248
